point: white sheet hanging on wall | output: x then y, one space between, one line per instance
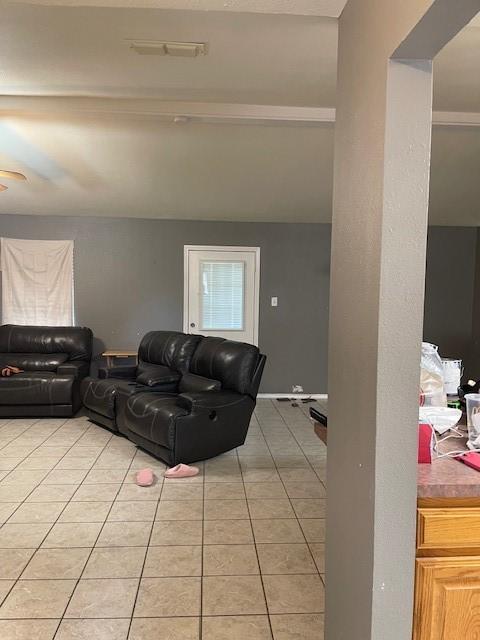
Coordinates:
37 282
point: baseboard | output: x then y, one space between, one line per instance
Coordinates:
317 396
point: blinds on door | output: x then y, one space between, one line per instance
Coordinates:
222 285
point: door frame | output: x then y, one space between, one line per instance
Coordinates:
256 294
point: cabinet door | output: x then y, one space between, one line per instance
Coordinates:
447 599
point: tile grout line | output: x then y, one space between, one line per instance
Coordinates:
29 494
147 548
93 547
67 504
15 468
200 620
313 469
256 550
311 466
24 501
290 500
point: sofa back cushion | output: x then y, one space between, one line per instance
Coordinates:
231 363
33 361
168 348
190 383
76 342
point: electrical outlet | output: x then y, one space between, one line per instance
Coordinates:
297 388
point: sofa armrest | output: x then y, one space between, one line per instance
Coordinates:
209 400
78 370
127 372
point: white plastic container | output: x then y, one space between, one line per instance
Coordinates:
452 375
473 419
432 398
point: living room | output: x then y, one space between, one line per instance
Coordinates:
182 162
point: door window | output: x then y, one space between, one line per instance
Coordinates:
222 286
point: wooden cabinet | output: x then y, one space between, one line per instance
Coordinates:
447 599
453 532
447 576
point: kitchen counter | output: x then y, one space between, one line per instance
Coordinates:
447 479
444 479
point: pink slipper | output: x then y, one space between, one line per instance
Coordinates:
181 471
144 478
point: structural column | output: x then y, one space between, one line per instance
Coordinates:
380 211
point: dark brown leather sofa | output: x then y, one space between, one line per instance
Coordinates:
190 397
54 359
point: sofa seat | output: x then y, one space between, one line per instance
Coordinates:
36 388
152 417
100 395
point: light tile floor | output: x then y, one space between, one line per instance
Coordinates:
236 552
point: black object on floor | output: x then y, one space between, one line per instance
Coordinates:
318 417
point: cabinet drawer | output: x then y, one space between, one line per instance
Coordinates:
448 531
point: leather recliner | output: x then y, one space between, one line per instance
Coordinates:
163 357
204 412
54 360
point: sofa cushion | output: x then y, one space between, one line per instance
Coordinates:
99 395
33 361
169 348
36 388
152 416
233 363
152 375
76 342
191 382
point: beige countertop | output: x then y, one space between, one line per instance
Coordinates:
447 477
443 479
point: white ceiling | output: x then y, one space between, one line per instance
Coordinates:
119 164
252 58
143 167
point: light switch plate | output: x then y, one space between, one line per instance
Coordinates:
274 301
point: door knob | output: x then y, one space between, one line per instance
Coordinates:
192 324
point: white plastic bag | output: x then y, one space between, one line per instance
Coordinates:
432 388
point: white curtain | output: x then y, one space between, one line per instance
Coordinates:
37 282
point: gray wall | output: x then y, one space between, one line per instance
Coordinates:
474 359
129 280
449 292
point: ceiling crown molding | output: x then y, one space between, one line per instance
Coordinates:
207 112
318 8
53 106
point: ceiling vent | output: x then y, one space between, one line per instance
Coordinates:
158 48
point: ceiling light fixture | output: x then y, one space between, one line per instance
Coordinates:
14 175
164 48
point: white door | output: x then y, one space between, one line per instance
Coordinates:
222 292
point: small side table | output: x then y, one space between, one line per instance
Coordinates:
112 354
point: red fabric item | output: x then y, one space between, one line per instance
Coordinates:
425 443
